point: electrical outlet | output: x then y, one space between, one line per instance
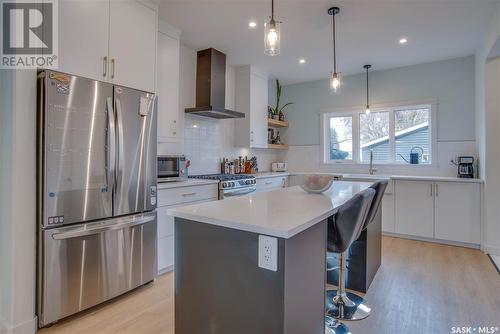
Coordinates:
268 253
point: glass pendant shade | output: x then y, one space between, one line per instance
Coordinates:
367 111
272 37
335 82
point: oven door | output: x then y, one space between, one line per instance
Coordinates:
238 192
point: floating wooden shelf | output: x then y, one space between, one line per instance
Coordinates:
276 123
278 146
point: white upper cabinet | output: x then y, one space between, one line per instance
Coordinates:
132 44
167 80
83 38
458 211
251 98
414 214
112 41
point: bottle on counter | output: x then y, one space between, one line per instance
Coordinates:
231 167
236 166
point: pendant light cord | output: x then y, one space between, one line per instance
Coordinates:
272 10
334 50
367 96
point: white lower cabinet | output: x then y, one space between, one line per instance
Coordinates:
414 212
171 198
448 211
457 212
388 213
271 183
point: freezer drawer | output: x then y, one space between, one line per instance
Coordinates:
87 264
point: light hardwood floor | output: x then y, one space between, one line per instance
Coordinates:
421 288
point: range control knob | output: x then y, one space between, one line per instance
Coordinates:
248 182
232 184
224 184
254 181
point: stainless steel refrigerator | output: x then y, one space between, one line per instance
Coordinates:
96 192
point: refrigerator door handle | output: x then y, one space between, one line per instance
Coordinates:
101 229
119 160
111 143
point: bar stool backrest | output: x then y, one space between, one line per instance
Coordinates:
348 223
379 187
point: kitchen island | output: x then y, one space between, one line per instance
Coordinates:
255 264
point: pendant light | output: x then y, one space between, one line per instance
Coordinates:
367 111
272 35
335 77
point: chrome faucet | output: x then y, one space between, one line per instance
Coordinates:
371 170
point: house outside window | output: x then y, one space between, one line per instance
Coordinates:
391 132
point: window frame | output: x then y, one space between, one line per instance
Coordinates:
355 113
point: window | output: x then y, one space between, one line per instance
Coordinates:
395 134
340 139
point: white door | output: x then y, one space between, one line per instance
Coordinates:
83 38
414 207
258 111
458 212
132 44
168 87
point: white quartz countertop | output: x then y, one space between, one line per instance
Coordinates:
280 213
375 177
186 183
435 178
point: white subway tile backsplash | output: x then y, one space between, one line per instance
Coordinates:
206 141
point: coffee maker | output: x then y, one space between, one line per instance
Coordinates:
466 167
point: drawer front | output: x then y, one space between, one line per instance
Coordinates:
166 222
271 183
180 195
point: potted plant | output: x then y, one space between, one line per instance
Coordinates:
277 110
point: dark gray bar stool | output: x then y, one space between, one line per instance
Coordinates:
343 229
342 304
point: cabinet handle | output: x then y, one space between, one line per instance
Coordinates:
113 68
268 183
432 188
251 136
188 194
105 66
437 192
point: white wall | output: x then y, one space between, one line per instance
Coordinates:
205 141
488 131
17 201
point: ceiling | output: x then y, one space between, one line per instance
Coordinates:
368 31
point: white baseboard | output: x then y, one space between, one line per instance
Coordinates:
491 250
436 241
165 270
27 327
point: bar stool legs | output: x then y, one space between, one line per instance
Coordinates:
333 326
344 305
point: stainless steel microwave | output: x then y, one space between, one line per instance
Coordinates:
172 168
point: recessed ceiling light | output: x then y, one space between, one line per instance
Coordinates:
403 41
252 24
302 61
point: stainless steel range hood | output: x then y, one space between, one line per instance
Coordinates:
211 86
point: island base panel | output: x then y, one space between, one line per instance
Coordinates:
219 288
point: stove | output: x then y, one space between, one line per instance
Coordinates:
231 185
